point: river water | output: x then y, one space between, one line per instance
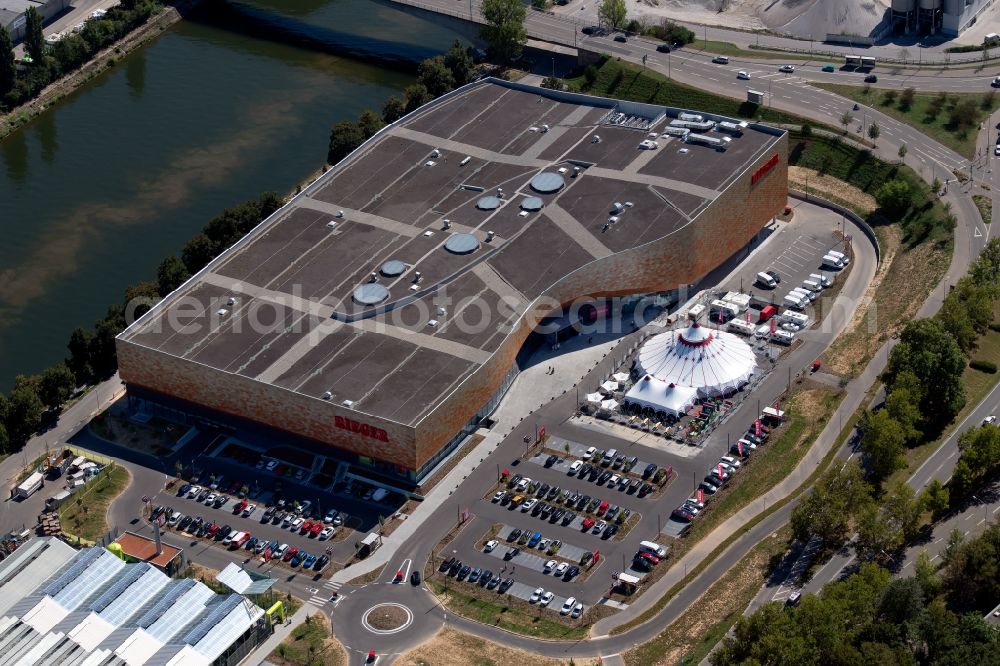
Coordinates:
94 193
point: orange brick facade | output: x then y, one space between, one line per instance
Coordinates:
727 225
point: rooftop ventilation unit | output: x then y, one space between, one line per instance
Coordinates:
222 312
576 171
465 161
676 131
545 128
373 277
416 276
693 117
327 396
731 128
692 125
617 207
447 223
331 224
232 300
435 153
340 213
348 403
442 312
648 145
596 139
489 236
719 142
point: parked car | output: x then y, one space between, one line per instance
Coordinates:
497 496
415 577
575 467
511 553
504 586
568 606
649 471
490 545
663 48
446 564
536 596
514 534
787 69
577 611
326 533
587 524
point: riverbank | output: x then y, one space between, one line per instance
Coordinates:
102 61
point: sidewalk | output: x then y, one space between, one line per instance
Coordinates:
280 633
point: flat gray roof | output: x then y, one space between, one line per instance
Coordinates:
294 321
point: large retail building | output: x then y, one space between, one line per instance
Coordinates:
377 317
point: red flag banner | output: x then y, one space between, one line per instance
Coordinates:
541 433
597 556
774 325
739 447
756 427
267 553
701 496
720 471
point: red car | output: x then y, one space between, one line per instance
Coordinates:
213 529
316 528
601 509
588 523
292 552
305 527
242 504
649 557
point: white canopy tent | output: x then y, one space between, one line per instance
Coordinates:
609 386
595 398
609 405
620 377
709 361
661 396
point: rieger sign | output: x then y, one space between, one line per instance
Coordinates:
361 428
764 169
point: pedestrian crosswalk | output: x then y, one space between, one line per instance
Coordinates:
327 593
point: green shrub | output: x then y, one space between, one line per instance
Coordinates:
984 366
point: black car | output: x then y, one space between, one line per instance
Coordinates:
535 510
611 512
493 582
649 471
220 500
630 463
322 561
455 567
609 531
203 530
594 473
708 487
444 566
464 572
198 522
871 78
618 463
485 578
547 510
585 470
641 564
223 532
542 489
572 573
553 493
557 515
185 522
603 478
582 502
551 460
645 489
268 514
516 479
514 534
504 586
415 577
589 30
511 553
663 48
568 518
474 574
620 38
634 486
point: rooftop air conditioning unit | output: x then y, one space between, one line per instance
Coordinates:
232 300
447 223
222 312
545 128
617 207
435 153
348 403
432 323
327 396
596 139
416 276
442 312
489 236
465 161
340 213
373 277
331 223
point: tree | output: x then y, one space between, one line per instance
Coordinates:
828 510
79 355
846 119
435 76
460 62
198 251
370 123
24 415
882 441
34 41
416 96
903 405
925 573
935 497
56 385
877 537
4 439
902 151
103 353
171 274
612 13
8 70
906 99
504 29
894 197
962 116
344 139
903 509
393 109
874 132
931 354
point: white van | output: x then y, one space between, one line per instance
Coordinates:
804 293
795 318
822 279
741 327
793 301
833 262
652 548
783 337
765 280
379 494
844 259
812 285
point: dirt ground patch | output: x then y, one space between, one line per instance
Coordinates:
311 643
387 617
831 188
690 638
453 648
902 282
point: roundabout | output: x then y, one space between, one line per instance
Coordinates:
387 618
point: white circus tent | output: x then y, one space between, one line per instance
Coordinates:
710 362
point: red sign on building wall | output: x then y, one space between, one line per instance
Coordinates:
764 169
362 429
